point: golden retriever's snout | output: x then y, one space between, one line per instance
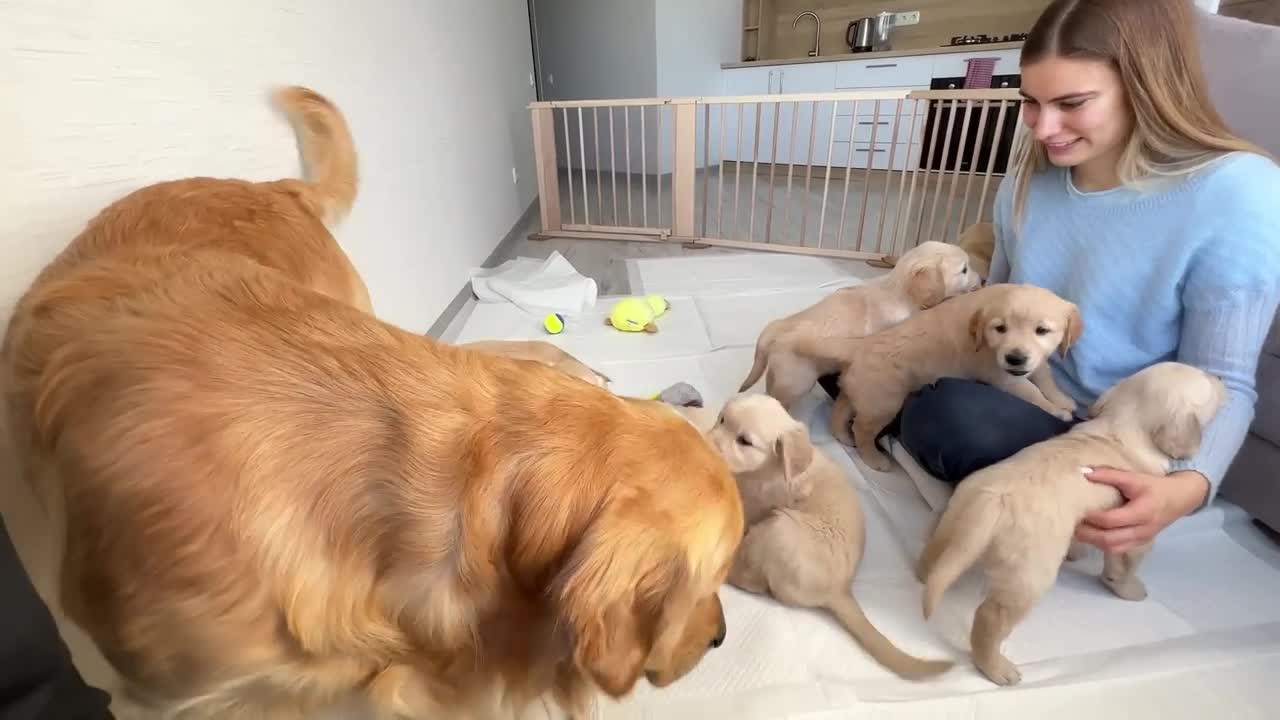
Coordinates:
718 639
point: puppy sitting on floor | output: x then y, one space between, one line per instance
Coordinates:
1018 516
1001 334
805 529
923 277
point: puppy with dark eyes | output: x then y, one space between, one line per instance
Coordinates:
1018 516
805 529
1001 334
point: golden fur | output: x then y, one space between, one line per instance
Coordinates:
923 277
1018 516
979 241
270 501
541 352
805 527
977 335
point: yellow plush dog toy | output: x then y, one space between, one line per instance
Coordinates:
636 314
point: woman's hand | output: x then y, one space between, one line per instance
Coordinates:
1151 504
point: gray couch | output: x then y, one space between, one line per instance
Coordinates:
1241 61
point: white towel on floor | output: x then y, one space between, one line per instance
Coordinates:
537 285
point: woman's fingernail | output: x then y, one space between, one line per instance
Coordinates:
1086 470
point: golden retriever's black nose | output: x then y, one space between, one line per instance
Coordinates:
718 640
1016 358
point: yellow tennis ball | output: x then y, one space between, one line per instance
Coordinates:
553 323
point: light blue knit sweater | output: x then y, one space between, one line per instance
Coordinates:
1189 271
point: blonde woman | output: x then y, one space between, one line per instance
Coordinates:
1134 200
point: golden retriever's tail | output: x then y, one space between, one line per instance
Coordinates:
764 344
963 534
328 152
849 613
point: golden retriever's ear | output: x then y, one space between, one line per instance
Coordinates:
795 452
978 328
613 627
1177 435
1072 332
926 287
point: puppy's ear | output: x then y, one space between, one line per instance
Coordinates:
1177 435
1071 334
926 287
795 453
978 328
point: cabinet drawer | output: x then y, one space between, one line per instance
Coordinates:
902 155
883 127
954 65
884 73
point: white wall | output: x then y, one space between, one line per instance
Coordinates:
693 39
596 48
102 98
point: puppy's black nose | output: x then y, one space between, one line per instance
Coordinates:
718 640
1016 358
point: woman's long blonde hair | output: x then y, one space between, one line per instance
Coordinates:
1154 47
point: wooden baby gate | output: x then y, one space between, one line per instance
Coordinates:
776 172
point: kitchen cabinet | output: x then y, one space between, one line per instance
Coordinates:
803 131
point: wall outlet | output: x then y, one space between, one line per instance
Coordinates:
907 18
515 178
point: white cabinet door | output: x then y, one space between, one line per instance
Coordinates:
804 128
739 121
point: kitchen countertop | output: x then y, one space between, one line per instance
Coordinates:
945 50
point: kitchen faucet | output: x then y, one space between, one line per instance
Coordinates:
817 31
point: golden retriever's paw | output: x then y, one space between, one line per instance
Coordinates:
1000 671
1063 415
1077 551
875 459
1128 588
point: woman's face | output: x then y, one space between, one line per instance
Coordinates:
1077 108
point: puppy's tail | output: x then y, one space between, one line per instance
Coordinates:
328 152
964 532
763 345
909 667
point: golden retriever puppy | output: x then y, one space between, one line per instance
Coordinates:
923 277
805 528
271 501
1019 516
979 241
1001 334
541 352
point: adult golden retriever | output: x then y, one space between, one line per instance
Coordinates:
269 501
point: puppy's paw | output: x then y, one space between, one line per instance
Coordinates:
1063 415
1000 671
1077 551
875 459
1126 588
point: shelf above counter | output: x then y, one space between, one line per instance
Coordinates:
906 52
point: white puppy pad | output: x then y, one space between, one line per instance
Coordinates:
681 332
738 273
737 320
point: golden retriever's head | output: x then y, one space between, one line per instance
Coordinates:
979 242
934 271
639 590
1022 325
1170 402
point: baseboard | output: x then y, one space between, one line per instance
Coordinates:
459 301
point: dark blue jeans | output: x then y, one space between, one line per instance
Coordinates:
956 427
37 678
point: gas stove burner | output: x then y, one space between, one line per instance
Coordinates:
986 39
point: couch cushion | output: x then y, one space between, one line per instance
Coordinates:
1266 422
1241 59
